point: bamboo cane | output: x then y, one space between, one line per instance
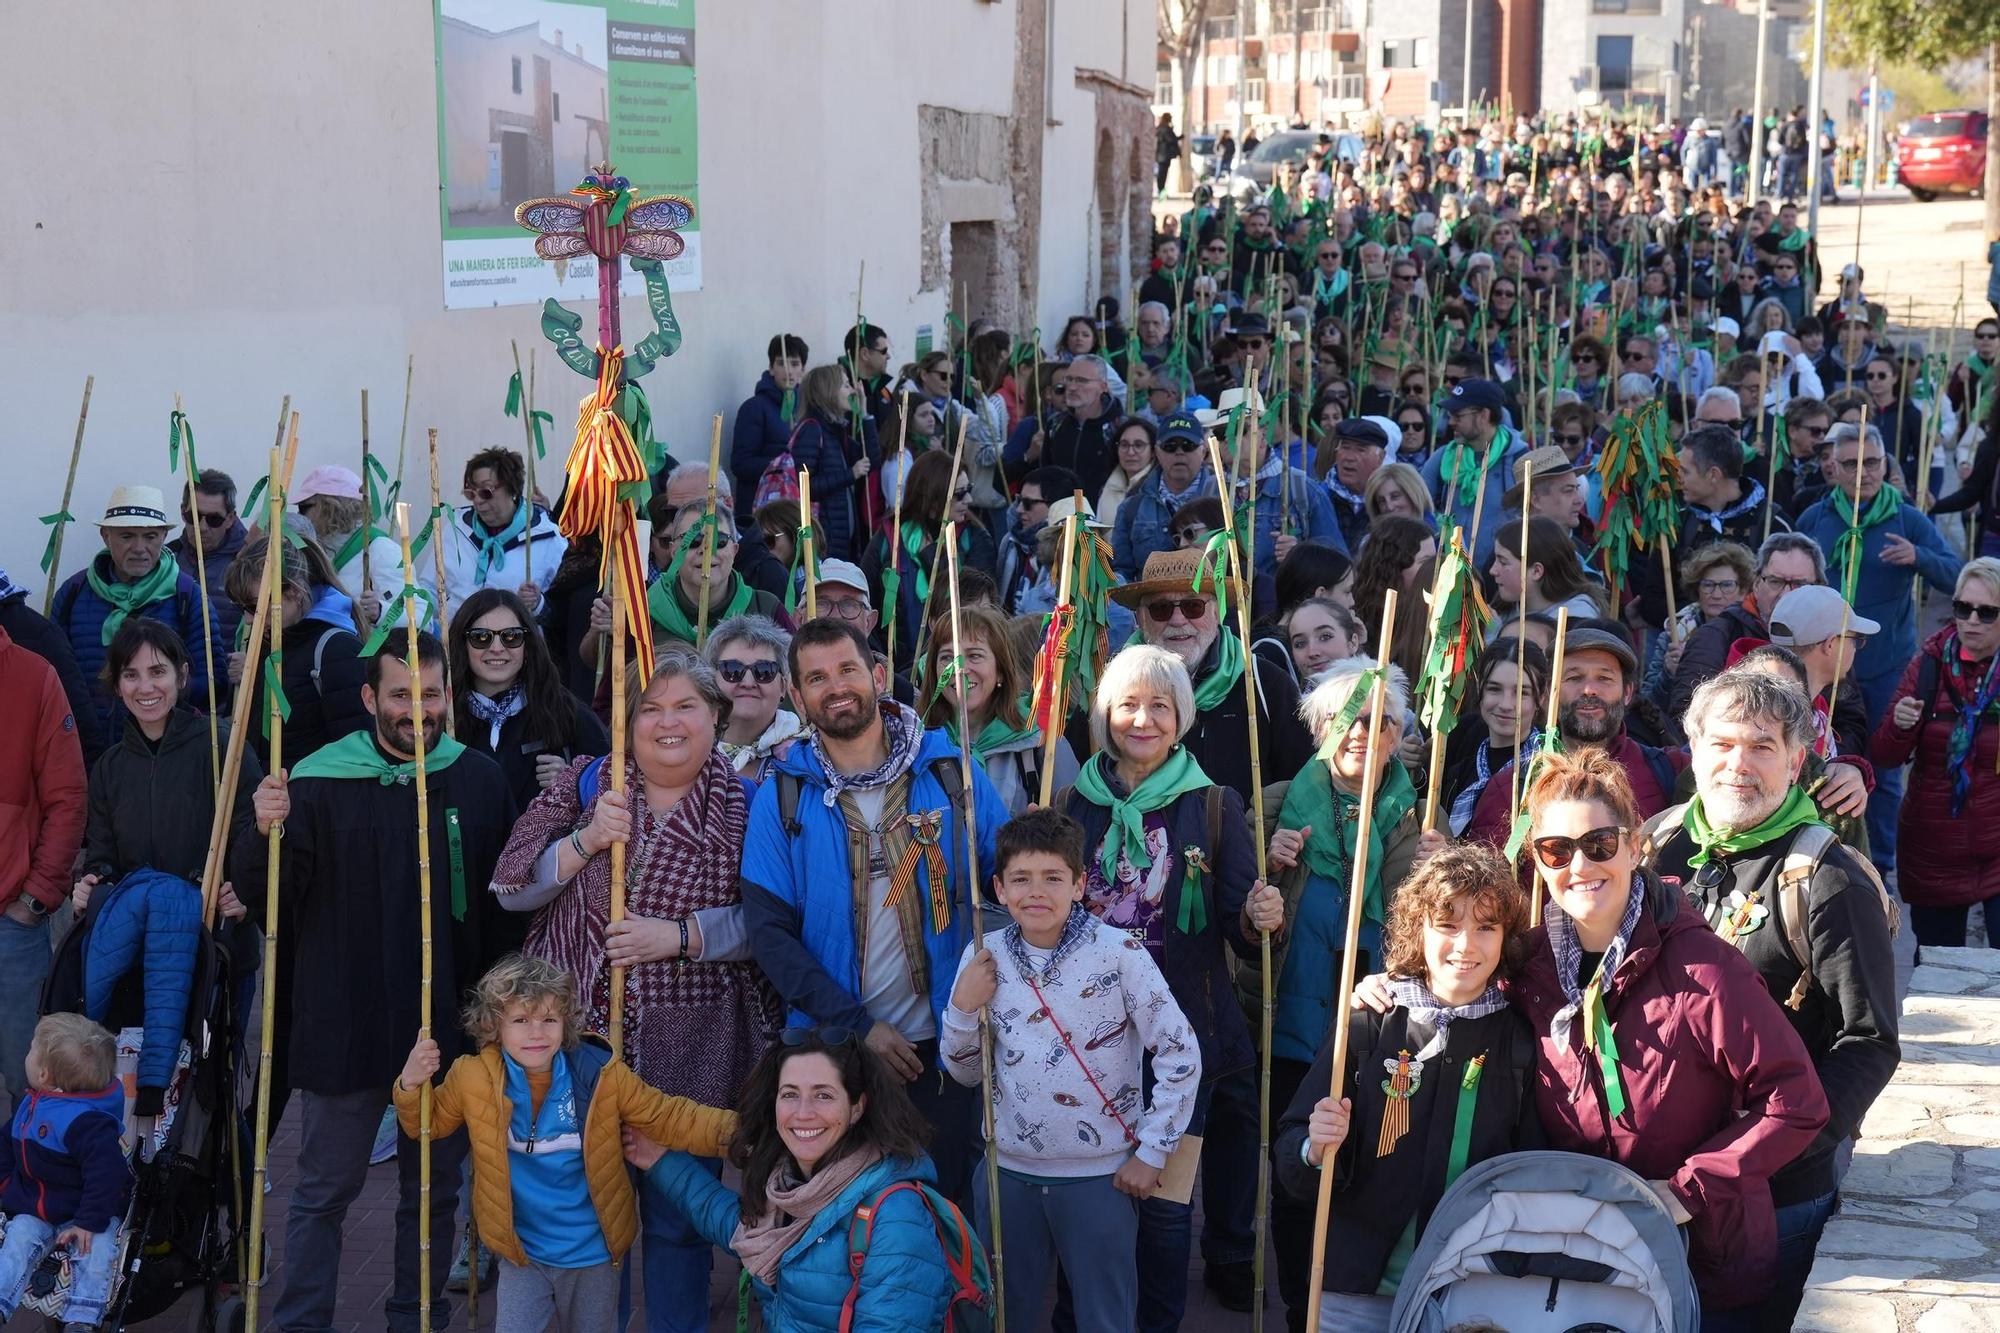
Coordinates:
1521 633
619 592
1435 778
69 489
893 612
805 539
1764 442
207 612
949 536
1848 573
1356 891
1550 735
441 517
1059 690
708 534
368 516
403 434
527 456
937 552
272 605
1933 422
1667 568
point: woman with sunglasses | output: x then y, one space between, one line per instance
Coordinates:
322 672
1900 420
1005 740
823 1131
698 1011
1413 418
508 699
749 653
1941 722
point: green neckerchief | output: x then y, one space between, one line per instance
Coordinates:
995 735
1215 687
1173 779
1314 802
1847 546
356 756
1798 809
1461 1124
1600 1039
913 545
129 598
1463 480
665 608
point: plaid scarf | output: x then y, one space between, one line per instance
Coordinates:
1569 958
1416 997
9 588
903 733
1075 927
1972 701
495 711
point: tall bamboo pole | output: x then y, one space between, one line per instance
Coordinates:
528 457
708 533
368 517
440 534
1550 737
805 540
69 490
1356 891
892 612
619 592
403 434
194 532
1848 573
1521 633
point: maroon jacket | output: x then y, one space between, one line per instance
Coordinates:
1942 861
1720 1091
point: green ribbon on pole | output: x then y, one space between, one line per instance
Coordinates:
55 523
274 691
1364 686
410 597
516 401
178 425
256 494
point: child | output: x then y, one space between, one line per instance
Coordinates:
550 1191
65 1179
1448 1050
1075 1005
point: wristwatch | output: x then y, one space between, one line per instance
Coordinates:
34 904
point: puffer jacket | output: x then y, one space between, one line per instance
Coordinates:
762 432
215 564
905 1284
149 919
474 1094
1942 860
822 447
80 613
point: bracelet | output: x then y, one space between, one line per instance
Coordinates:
682 922
576 843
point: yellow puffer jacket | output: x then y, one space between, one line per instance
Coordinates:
474 1094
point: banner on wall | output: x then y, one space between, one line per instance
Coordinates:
533 93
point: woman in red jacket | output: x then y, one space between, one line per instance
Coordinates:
1660 1048
1942 718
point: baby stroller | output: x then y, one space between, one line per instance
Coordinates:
1548 1242
189 1165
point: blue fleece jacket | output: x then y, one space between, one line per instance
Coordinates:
64 1164
80 613
151 920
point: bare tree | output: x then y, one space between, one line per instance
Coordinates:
1181 25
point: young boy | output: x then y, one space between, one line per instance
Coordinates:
1075 1006
550 1190
65 1178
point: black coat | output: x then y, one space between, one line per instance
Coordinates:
39 635
1085 448
151 806
516 752
1220 737
323 673
1648 582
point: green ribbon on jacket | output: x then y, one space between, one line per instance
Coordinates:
355 756
1796 811
1847 546
128 599
1179 775
1599 1038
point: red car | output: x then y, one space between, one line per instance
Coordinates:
1943 153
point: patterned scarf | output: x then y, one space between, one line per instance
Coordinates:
1076 927
791 1205
493 546
494 712
9 588
901 730
128 599
1172 501
1847 547
1466 801
1416 997
1569 959
1751 501
1972 702
1339 492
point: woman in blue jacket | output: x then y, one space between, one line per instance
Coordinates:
825 445
823 1130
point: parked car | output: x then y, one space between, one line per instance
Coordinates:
1943 152
1253 175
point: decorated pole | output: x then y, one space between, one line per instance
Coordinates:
1552 738
949 536
1356 892
62 518
1457 626
180 431
517 397
709 520
1051 680
441 520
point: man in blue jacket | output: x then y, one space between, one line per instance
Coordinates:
1480 454
872 951
1878 551
764 422
1145 517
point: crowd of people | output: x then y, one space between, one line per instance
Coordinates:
1746 757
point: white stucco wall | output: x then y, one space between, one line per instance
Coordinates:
240 207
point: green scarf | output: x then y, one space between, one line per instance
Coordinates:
1847 546
356 756
1797 810
128 599
1314 802
665 607
1216 686
1463 479
993 736
1166 784
914 542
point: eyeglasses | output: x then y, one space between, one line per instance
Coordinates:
1191 608
1979 611
1846 465
482 639
847 608
1717 585
1176 446
1599 845
733 671
1815 431
1785 585
1325 256
826 1036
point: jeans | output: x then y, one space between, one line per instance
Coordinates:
953 1112
1885 804
1945 926
1086 1222
28 1239
1291 1219
336 1131
24 965
1799 1228
674 1262
1229 1169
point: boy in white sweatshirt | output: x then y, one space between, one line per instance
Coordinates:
1075 1006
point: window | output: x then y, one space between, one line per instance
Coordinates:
1253 93
1281 67
517 74
1420 52
1163 85
1221 71
1614 64
555 100
1403 53
1625 6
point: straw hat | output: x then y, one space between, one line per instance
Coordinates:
1165 571
1543 462
136 507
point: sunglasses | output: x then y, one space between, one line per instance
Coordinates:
482 639
826 1036
1569 441
961 492
1176 446
1412 427
1252 344
1036 501
1192 608
1191 536
481 494
222 520
1598 845
733 671
1979 611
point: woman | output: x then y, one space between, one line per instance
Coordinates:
508 700
1659 1047
822 444
1396 545
1900 421
823 1130
1498 717
698 1013
330 499
1714 579
322 672
1398 490
749 653
1767 316
1079 338
1461 1063
1168 858
1314 569
1589 363
986 433
1134 443
935 494
1005 739
1554 577
1980 488
1412 418
566 620
1312 851
1940 721
1319 632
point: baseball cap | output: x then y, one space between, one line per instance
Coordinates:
1603 641
1181 426
1474 393
1728 326
843 574
332 481
1813 614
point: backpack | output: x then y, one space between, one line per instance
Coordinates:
780 478
970 1309
944 769
1794 136
1793 902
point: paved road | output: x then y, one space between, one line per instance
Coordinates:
1917 258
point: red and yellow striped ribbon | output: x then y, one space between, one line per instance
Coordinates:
604 459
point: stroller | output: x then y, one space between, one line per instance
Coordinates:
190 1167
1548 1242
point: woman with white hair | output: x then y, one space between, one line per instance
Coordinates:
1312 852
1168 859
1635 391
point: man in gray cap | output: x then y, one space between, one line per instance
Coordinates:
1480 454
1815 623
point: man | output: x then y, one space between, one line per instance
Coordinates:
842 594
1082 437
1722 506
1804 425
492 542
30 629
1752 856
869 789
1031 510
1155 324
1600 678
1785 286
1169 284
687 484
348 869
1258 254
764 422
1327 290
1816 623
1875 552
1358 447
867 366
1850 299
1291 506
222 535
1557 493
42 810
131 576
1785 561
1476 459
1166 148
1378 395
1144 521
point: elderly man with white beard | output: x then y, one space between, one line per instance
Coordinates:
1752 855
